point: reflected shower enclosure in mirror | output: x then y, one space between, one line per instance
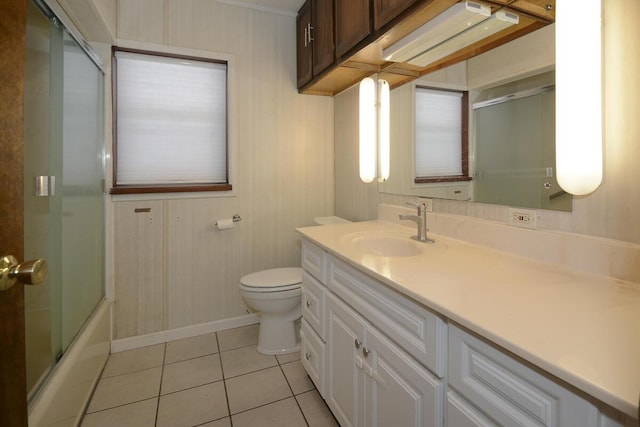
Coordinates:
509 163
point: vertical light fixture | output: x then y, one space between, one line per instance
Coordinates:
384 149
374 129
579 96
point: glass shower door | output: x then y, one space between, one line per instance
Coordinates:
64 146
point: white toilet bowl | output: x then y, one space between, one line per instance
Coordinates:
277 295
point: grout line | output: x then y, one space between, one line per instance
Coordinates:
118 406
267 404
250 372
164 357
293 393
224 381
191 358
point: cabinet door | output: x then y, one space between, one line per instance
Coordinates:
352 24
322 34
345 381
385 10
399 390
303 46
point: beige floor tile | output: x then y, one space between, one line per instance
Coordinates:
189 348
127 388
193 406
191 373
256 389
286 358
134 360
315 410
223 422
284 413
244 360
139 414
238 337
297 377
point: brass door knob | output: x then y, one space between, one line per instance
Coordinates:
28 273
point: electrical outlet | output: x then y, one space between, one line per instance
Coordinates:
427 202
525 218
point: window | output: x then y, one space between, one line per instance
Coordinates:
170 123
441 143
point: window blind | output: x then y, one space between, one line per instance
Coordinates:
438 138
171 120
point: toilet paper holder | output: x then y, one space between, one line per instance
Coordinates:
234 218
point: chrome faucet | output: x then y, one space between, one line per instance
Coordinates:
421 220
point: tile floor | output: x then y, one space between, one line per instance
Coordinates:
211 380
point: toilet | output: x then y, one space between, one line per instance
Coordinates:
277 295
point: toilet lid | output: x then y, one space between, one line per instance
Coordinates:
274 278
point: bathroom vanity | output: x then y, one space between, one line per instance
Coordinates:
398 332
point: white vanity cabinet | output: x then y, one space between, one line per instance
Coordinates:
379 358
312 327
371 381
375 356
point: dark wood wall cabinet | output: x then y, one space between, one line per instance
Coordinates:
385 10
314 46
340 42
352 24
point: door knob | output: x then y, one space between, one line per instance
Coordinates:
28 273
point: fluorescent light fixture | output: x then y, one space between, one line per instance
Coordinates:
452 21
368 130
579 119
497 22
384 148
374 150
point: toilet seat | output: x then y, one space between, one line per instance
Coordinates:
273 280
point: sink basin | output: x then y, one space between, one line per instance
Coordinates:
384 244
388 246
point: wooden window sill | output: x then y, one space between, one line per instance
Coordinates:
186 188
436 179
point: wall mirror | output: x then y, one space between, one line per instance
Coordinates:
511 128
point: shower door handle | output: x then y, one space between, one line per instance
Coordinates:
28 273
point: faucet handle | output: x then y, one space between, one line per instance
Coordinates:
420 206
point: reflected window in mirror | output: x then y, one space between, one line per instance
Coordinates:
441 135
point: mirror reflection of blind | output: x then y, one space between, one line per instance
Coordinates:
171 124
438 133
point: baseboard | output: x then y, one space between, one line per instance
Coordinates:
185 332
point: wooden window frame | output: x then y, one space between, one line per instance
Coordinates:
161 188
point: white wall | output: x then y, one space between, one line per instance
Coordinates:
612 210
185 272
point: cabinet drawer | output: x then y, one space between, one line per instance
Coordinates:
462 414
313 301
417 330
507 390
314 260
313 356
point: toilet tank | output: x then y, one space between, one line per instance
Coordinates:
329 220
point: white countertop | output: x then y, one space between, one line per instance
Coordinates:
581 328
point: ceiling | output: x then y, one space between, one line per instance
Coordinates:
291 6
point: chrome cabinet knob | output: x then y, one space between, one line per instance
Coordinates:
365 351
358 343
